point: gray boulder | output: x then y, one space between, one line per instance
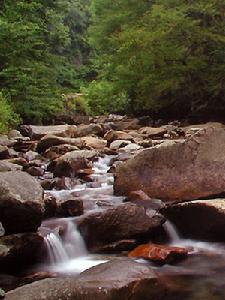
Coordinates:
21 202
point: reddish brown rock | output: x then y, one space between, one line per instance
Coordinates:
35 171
142 199
175 171
153 132
159 253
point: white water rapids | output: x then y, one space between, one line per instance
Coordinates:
65 246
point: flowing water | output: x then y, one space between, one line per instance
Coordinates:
200 277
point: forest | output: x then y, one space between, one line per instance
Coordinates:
164 58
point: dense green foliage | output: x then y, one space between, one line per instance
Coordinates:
167 55
7 116
161 56
41 48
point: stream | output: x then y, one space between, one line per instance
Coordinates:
200 276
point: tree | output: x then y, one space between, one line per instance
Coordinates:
167 55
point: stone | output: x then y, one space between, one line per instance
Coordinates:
69 208
37 132
15 134
8 166
121 279
113 135
4 152
199 219
5 141
50 141
142 199
69 164
161 254
124 221
91 129
152 132
21 202
19 250
177 171
119 246
93 142
119 144
131 148
35 171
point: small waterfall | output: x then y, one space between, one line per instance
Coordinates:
68 245
172 232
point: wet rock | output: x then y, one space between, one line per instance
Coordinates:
50 206
142 199
161 254
93 142
69 208
21 202
200 219
8 282
119 279
113 135
70 163
35 171
119 246
19 250
37 132
125 221
8 166
4 152
175 171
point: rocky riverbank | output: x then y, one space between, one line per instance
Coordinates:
160 173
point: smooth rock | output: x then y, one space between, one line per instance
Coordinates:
69 208
113 135
199 219
115 145
49 141
175 171
19 250
37 132
70 163
6 166
142 199
4 152
93 142
161 254
125 221
116 280
91 129
152 132
21 202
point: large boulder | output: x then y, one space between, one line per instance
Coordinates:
21 202
19 250
199 219
177 171
121 279
70 163
37 132
125 221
